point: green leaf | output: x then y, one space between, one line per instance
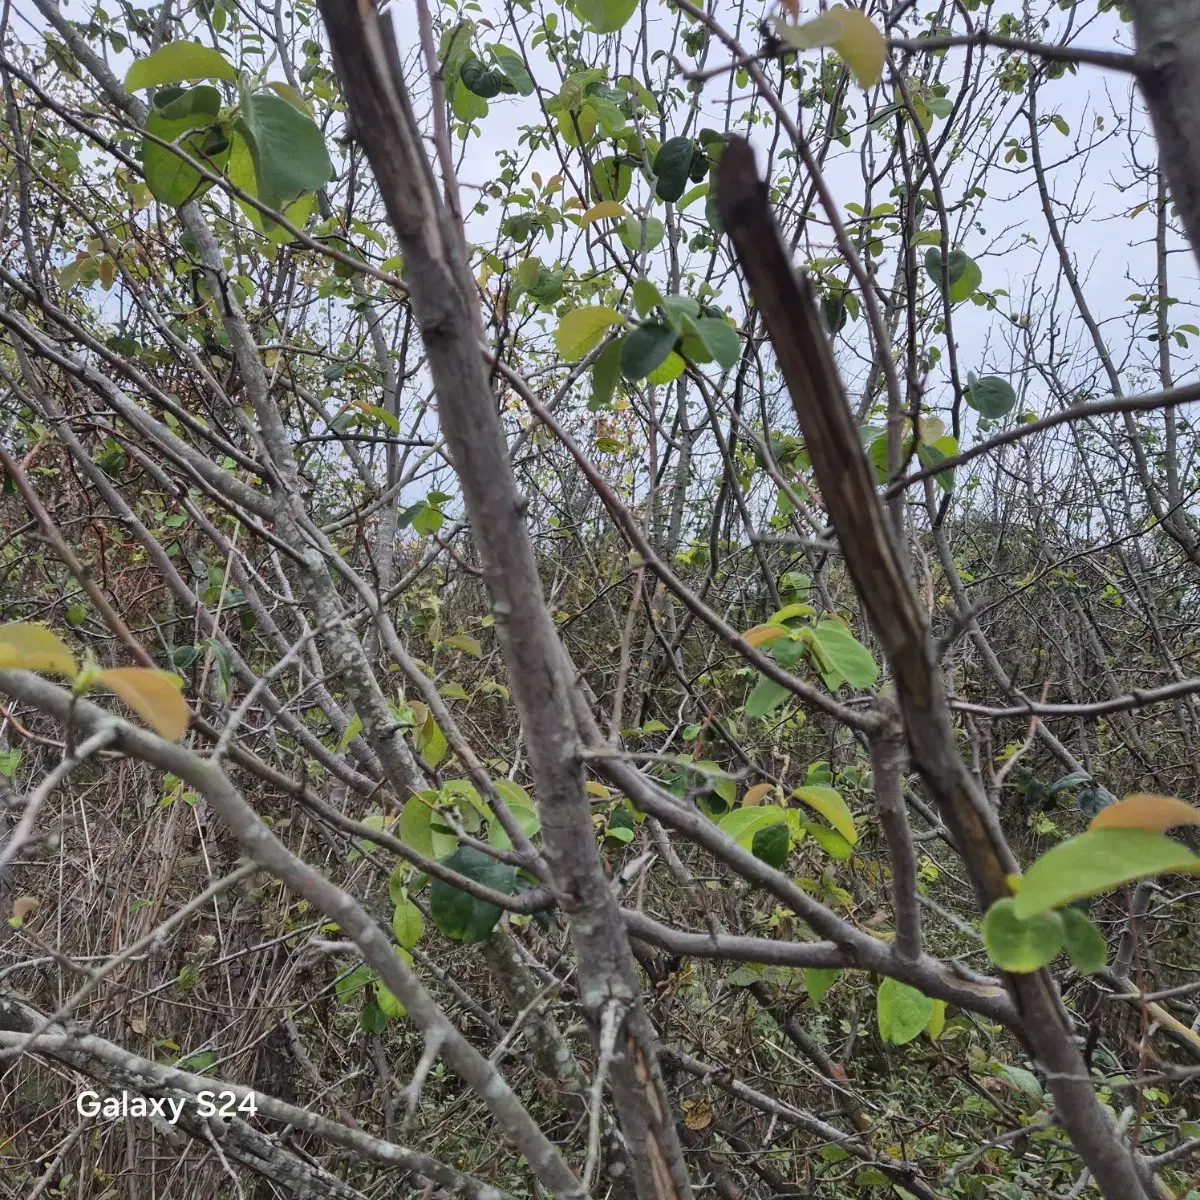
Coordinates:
613 178
991 397
965 275
1083 942
630 232
1021 1079
645 348
197 1063
932 453
178 62
477 77
407 923
582 330
372 1019
243 174
744 824
388 1004
766 697
719 338
846 654
518 800
832 843
671 166
1098 861
646 296
427 520
605 16
772 845
606 371
288 149
353 729
678 307
870 1177
902 1012
829 803
818 981
188 121
354 982
513 65
10 760
1021 944
416 821
467 106
460 916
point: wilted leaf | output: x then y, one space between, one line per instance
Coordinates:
1145 810
154 695
605 210
852 34
757 794
28 647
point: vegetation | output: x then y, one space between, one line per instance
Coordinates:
600 600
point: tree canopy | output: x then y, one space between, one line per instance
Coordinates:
600 599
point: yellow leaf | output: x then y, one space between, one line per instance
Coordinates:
27 647
1145 810
598 790
760 635
606 209
757 794
937 1020
829 803
465 643
108 272
852 34
292 96
699 1116
931 429
669 369
153 695
583 329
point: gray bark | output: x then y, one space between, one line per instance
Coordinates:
442 294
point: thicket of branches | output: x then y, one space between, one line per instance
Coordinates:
622 673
